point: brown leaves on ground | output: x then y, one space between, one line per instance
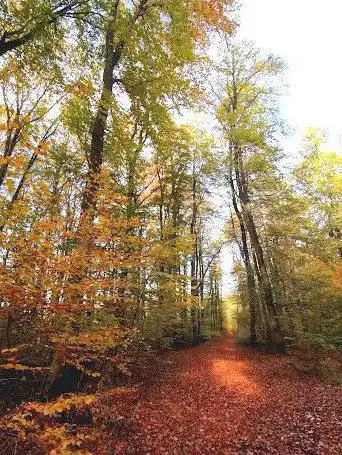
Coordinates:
216 399
212 399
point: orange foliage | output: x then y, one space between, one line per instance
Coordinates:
211 14
337 277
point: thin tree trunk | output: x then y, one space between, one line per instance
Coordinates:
274 340
251 286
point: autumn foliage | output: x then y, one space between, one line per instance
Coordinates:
115 213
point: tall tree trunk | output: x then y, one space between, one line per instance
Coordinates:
274 340
95 159
251 286
194 262
113 53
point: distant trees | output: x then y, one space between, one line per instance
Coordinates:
244 113
276 221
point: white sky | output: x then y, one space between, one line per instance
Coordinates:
307 34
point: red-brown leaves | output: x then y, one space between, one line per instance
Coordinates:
212 399
218 400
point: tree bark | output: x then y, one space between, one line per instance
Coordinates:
251 285
274 335
11 142
95 159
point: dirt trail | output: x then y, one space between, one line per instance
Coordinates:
217 399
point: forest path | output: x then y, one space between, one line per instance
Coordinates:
220 399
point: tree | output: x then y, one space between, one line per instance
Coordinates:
27 21
245 113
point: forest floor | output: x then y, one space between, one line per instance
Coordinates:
220 399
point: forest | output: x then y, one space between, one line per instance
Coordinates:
141 143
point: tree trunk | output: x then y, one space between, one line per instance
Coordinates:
11 142
95 159
251 286
274 336
194 262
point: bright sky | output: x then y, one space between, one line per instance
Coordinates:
307 34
